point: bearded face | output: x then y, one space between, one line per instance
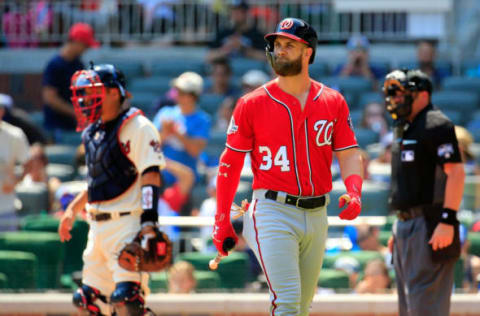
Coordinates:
284 67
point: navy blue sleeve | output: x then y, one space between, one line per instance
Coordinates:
49 77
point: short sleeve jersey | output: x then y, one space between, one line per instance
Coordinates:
141 142
427 143
291 149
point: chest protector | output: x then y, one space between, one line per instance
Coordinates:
110 172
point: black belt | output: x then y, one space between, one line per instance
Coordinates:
307 203
100 217
411 213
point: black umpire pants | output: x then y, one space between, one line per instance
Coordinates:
424 287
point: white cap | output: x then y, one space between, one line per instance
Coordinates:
254 78
6 100
190 82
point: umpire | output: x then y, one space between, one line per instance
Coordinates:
427 187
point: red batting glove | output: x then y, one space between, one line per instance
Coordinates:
222 230
352 198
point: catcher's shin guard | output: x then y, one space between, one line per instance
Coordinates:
91 302
127 299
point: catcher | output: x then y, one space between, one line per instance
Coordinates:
124 158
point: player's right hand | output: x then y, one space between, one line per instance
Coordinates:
66 224
221 232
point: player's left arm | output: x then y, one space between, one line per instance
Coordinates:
448 155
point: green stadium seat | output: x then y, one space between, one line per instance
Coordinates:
3 281
383 237
244 191
465 102
199 194
333 279
63 154
206 280
356 116
131 68
233 270
456 117
349 85
474 238
20 269
70 138
34 198
61 171
210 103
145 102
363 257
462 84
318 69
389 224
48 249
443 65
366 137
458 274
470 192
73 248
241 65
174 68
370 97
157 85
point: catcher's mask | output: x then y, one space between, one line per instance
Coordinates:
404 83
88 91
295 29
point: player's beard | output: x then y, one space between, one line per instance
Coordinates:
287 68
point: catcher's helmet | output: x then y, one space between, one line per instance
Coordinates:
295 29
406 82
88 91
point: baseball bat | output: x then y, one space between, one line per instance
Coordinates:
228 245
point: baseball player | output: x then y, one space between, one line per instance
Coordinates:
290 126
124 159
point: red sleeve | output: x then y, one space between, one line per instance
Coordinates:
343 134
240 132
230 167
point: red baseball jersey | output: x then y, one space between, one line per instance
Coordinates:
291 149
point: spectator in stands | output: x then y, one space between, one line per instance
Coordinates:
184 129
351 266
373 118
239 40
221 78
375 280
358 64
224 114
253 79
367 239
58 110
426 53
181 278
13 149
379 168
36 171
20 119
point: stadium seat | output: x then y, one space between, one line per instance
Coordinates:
61 171
34 198
244 191
210 102
318 70
3 281
73 248
443 65
333 279
241 65
63 154
383 237
48 249
365 136
131 68
353 85
145 101
69 138
205 280
462 84
465 102
157 85
363 257
374 198
20 269
370 97
458 273
174 68
471 68
456 117
233 270
199 194
474 238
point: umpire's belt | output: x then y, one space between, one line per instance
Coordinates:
306 203
408 214
100 217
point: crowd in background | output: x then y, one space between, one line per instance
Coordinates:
187 131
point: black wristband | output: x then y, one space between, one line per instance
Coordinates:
150 196
448 216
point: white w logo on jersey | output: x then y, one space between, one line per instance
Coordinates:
325 128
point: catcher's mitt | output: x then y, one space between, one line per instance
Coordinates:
148 252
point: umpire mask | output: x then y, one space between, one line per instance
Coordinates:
400 89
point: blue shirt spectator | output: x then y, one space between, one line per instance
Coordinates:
194 125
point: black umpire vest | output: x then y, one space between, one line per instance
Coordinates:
110 172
